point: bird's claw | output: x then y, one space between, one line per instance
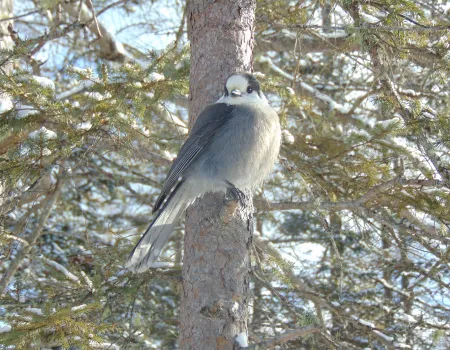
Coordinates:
235 193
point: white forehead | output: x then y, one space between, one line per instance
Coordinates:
237 82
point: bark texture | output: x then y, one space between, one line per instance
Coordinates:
221 36
214 307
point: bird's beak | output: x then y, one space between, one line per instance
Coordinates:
236 92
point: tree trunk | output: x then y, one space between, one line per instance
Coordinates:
218 234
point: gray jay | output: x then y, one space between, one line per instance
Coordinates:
233 144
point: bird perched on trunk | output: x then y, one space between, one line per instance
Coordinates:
233 144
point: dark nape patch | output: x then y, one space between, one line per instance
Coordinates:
253 83
225 91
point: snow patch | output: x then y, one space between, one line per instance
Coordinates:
61 269
25 110
83 86
384 336
390 286
288 137
98 96
5 329
42 134
96 345
290 90
259 75
235 307
79 307
369 18
406 318
396 122
88 281
334 35
160 264
83 126
169 156
82 71
363 322
154 78
242 340
35 311
44 82
6 104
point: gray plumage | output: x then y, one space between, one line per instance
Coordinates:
233 143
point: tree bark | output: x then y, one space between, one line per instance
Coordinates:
214 306
221 36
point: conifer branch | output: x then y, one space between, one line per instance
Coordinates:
374 27
348 205
287 336
111 48
298 284
19 16
49 202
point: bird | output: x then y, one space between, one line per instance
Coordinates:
233 144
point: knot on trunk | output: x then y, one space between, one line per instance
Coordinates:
221 309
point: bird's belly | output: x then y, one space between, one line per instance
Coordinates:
244 155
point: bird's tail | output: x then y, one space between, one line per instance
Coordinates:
149 247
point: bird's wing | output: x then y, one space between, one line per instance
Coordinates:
210 120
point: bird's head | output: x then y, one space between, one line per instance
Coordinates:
242 88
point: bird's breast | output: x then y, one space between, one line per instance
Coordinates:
245 151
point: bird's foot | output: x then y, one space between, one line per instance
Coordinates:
234 194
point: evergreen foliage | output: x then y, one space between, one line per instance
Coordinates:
353 225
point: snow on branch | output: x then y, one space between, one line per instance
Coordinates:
313 91
288 336
61 269
75 90
15 238
105 345
88 281
387 340
5 329
391 287
363 322
35 311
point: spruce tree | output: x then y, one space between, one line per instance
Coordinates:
350 248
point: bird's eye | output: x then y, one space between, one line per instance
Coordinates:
249 90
